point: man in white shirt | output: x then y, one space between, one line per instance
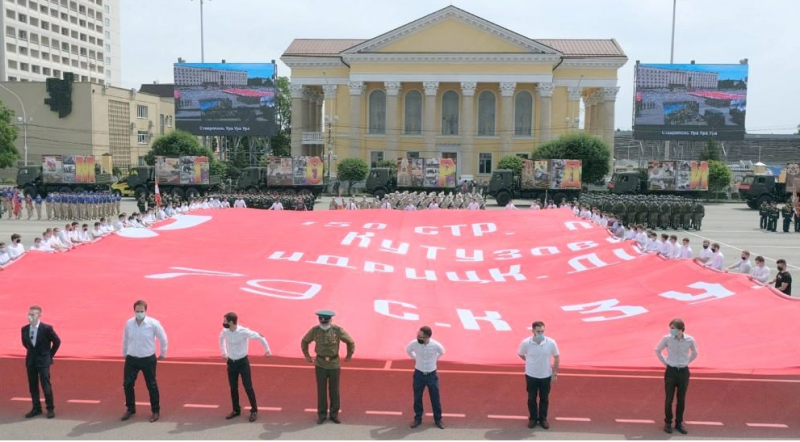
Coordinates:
705 255
760 271
54 242
351 205
434 205
5 258
641 237
473 205
686 250
233 341
743 266
663 246
97 232
511 206
41 246
652 242
426 351
681 351
674 248
535 205
16 249
63 237
410 207
717 258
83 234
385 204
139 351
239 204
536 351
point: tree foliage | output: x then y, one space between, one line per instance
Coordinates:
281 145
176 144
8 135
712 152
719 176
283 105
594 154
386 163
512 162
352 170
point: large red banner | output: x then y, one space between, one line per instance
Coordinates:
477 278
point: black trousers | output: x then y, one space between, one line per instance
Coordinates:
147 366
675 379
786 223
41 375
328 382
241 367
540 387
431 380
763 222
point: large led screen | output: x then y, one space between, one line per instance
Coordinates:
690 101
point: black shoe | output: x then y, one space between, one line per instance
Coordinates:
154 417
253 416
128 415
679 428
544 424
320 420
336 420
668 428
531 424
439 424
33 413
416 423
233 414
51 414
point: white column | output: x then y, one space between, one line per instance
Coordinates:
393 89
545 91
356 130
318 112
297 118
587 114
329 91
574 108
309 101
506 117
607 111
596 100
431 89
468 160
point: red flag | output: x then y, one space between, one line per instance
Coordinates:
158 196
17 203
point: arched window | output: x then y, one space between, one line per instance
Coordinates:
523 114
377 112
413 113
486 113
450 113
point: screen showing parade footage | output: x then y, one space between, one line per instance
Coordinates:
690 101
233 99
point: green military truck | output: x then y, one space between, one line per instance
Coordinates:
758 189
62 173
413 175
185 177
555 180
684 178
300 175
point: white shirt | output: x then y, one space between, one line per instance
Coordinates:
686 252
761 274
84 236
511 206
234 344
139 339
665 248
433 206
5 258
351 206
411 207
677 351
535 206
277 205
16 250
43 247
717 261
473 206
537 357
97 234
641 238
705 255
674 250
743 266
652 245
386 205
74 236
425 355
54 242
34 332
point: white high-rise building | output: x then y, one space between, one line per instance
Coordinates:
46 38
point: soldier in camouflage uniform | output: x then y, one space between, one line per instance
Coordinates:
663 215
763 212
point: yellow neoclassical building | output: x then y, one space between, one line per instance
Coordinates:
449 84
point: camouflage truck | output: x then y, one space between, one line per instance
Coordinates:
62 173
757 189
685 178
413 175
301 175
184 177
555 180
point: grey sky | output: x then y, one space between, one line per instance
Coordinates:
156 32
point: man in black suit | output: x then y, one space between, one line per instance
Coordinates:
41 342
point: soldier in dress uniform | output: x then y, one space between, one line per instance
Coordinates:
786 212
37 202
327 338
763 212
29 206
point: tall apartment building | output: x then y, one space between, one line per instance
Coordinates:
651 77
197 76
46 38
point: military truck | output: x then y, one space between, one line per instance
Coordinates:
540 179
62 173
184 177
413 175
757 189
686 178
301 175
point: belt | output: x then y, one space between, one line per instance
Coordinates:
236 360
677 368
426 373
329 358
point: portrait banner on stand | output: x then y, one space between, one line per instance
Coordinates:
572 174
52 167
447 173
541 174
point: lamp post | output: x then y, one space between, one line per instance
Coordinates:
202 34
671 61
329 125
24 120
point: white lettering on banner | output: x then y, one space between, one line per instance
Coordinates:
308 223
432 250
581 245
382 306
426 230
623 254
573 225
472 276
470 321
339 261
337 224
711 291
311 290
456 229
546 250
376 267
364 239
478 229
386 246
513 272
608 305
613 240
591 258
430 275
194 272
461 256
481 228
375 226
503 255
296 256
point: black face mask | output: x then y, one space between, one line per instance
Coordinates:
226 325
421 341
780 268
705 246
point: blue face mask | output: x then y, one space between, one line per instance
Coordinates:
140 316
539 336
673 332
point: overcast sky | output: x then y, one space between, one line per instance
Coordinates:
156 32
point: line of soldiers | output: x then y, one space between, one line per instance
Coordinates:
654 211
61 206
412 201
769 215
289 200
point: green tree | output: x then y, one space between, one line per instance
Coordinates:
8 135
389 164
719 176
178 143
712 152
592 151
283 105
352 170
281 144
512 162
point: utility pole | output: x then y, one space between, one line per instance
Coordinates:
329 125
671 61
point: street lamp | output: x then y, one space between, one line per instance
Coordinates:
202 34
329 125
23 120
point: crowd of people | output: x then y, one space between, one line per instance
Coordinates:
412 201
58 206
770 214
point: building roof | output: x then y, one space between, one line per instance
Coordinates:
161 90
310 47
585 48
